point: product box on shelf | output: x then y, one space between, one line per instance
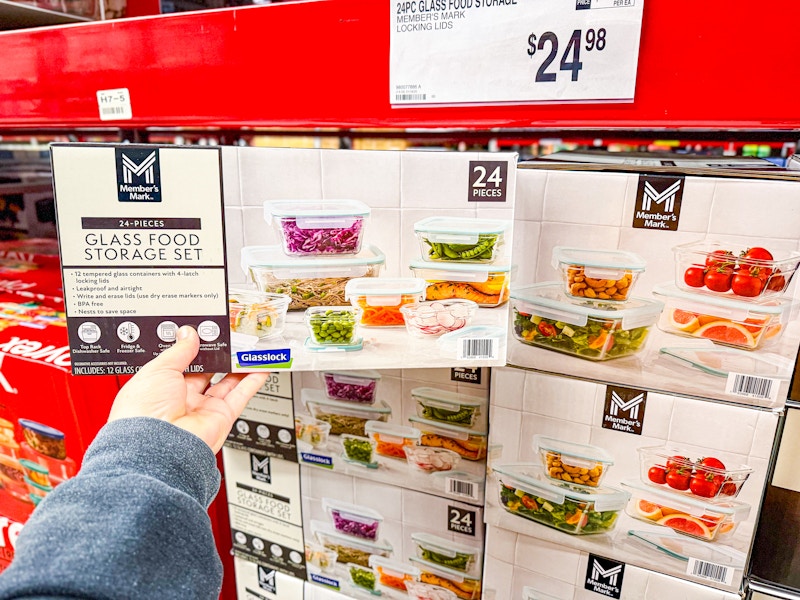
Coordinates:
47 416
255 581
670 276
660 481
519 567
366 537
291 259
415 428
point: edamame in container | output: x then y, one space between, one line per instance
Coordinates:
453 239
333 326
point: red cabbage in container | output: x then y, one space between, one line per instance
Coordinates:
358 521
356 386
318 227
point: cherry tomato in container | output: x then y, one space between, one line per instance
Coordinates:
712 462
728 488
719 279
694 276
678 479
704 485
745 284
777 282
677 462
720 258
546 329
657 474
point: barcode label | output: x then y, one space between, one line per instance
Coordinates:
411 97
752 387
114 105
710 571
459 487
477 348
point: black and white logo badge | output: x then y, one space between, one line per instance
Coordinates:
604 576
468 374
624 409
461 520
658 202
138 174
583 4
260 468
266 580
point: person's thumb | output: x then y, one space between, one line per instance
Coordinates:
181 354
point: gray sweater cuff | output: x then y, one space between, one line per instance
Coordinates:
159 449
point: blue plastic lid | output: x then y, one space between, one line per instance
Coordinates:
42 429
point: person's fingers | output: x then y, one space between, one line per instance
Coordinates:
197 382
221 388
178 356
240 395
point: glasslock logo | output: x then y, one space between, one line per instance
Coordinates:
604 576
624 409
260 468
266 580
138 175
658 202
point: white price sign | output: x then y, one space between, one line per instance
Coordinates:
513 51
114 105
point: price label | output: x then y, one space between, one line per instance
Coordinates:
114 105
519 51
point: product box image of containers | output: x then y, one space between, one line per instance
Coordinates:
318 227
432 319
359 450
257 313
308 281
425 591
448 407
349 549
355 386
470 444
333 326
699 474
464 586
363 578
754 271
696 517
391 440
544 317
343 416
460 240
393 574
525 491
431 460
608 275
311 431
446 553
723 320
581 464
486 285
380 300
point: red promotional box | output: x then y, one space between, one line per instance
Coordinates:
47 416
29 269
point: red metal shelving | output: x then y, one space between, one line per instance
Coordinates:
707 65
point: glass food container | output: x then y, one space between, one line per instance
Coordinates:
527 492
359 450
392 574
431 460
721 475
311 431
320 557
355 386
446 553
425 591
391 440
775 274
608 275
349 549
723 320
344 416
470 444
448 407
257 313
308 281
581 464
363 578
544 317
44 439
452 239
380 299
697 517
333 325
486 285
432 319
464 586
318 227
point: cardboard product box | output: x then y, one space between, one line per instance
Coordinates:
257 582
603 250
47 416
22 254
350 241
426 429
30 270
616 471
527 568
367 537
27 209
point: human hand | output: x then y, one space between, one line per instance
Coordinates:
161 390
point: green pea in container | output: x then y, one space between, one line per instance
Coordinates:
451 239
333 325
